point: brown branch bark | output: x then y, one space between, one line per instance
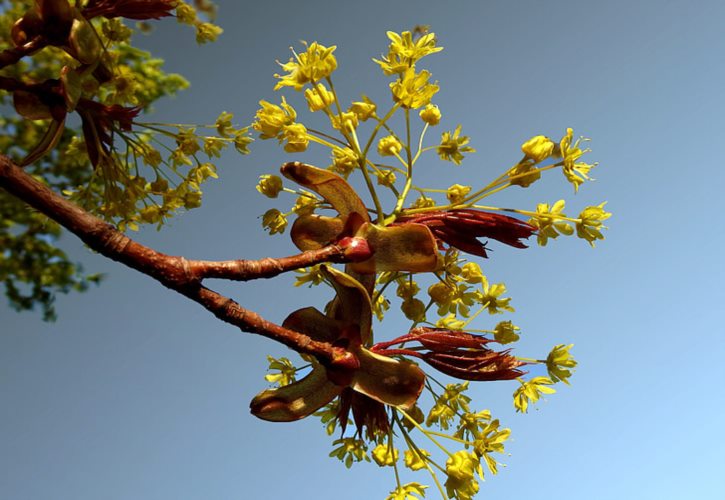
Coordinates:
174 272
13 55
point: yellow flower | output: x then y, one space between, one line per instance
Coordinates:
296 137
548 223
531 391
404 45
187 141
538 148
385 177
271 119
491 298
413 309
471 273
305 204
207 32
286 372
380 305
451 401
407 492
453 146
242 140
557 362
575 171
269 185
490 440
319 98
460 468
450 322
346 121
524 174
590 223
185 13
350 450
274 221
311 66
412 90
403 52
213 146
384 454
344 161
505 332
423 202
389 146
430 114
364 109
415 460
313 276
456 193
224 125
407 289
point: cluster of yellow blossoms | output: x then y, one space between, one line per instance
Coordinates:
458 290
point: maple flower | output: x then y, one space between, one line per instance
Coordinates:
412 90
364 109
548 222
416 459
491 297
557 362
269 185
460 468
384 454
505 332
407 492
461 228
296 137
274 221
413 50
403 51
538 148
575 171
457 193
319 98
311 66
590 223
272 119
130 9
430 115
453 146
389 146
531 391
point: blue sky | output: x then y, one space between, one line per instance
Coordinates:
137 393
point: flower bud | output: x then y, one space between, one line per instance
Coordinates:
430 114
538 148
269 185
389 146
456 193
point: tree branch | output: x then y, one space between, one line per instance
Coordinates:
177 273
13 55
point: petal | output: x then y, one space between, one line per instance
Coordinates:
295 401
392 382
410 248
311 322
330 186
311 232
